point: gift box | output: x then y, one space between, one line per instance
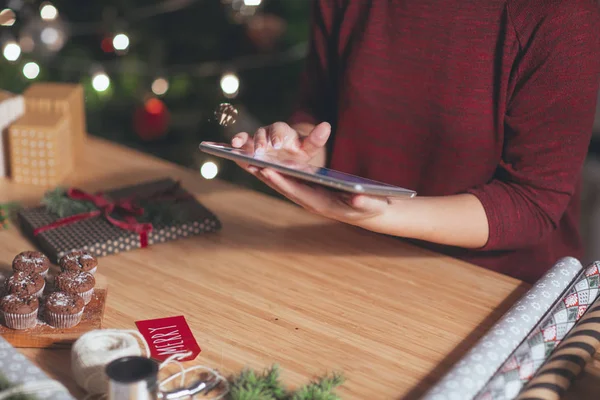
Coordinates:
65 100
12 107
118 220
16 369
40 149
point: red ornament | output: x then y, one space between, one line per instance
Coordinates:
152 120
107 45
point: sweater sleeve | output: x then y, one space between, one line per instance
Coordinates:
548 126
315 99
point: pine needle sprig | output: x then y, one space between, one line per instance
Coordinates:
322 389
57 202
249 385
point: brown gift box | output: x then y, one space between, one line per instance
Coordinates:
61 98
39 149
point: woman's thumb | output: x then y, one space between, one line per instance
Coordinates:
317 138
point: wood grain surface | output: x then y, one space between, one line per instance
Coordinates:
46 336
279 285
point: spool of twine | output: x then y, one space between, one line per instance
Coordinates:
94 350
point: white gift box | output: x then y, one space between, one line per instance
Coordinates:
12 107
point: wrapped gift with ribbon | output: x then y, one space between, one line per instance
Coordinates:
119 220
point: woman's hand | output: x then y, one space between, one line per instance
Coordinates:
350 208
305 143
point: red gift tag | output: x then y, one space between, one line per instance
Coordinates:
168 336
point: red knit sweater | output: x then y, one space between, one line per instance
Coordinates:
495 98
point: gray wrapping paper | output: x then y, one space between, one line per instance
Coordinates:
18 369
469 376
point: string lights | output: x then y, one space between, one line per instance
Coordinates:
100 82
51 33
120 42
7 17
160 86
209 170
48 12
11 51
230 85
31 70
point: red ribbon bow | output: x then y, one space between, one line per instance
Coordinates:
105 207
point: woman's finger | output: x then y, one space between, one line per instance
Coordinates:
316 139
280 134
240 139
368 203
260 141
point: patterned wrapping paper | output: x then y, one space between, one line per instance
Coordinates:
567 362
531 354
17 369
475 369
100 237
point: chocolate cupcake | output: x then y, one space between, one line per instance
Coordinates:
25 285
79 283
63 310
31 262
19 313
79 261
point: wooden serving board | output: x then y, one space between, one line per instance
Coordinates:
45 336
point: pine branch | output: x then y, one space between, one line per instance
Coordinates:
57 202
322 389
250 386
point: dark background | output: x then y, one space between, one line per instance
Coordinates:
191 43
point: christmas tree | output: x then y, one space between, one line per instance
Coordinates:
155 71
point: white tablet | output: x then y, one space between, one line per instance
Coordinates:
327 177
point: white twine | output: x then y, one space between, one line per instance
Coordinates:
94 350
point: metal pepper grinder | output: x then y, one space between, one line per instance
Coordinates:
132 378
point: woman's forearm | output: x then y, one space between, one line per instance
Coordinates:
458 220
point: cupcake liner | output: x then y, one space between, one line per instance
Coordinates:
44 274
87 295
93 270
62 321
40 292
20 321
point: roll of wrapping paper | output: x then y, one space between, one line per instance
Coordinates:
475 369
568 359
522 364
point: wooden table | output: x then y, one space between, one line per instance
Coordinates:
279 285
